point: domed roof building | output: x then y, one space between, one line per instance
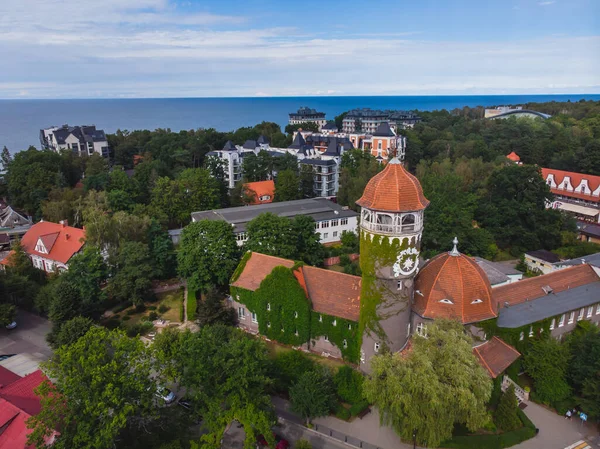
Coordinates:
452 285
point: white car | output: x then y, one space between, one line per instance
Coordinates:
165 394
11 325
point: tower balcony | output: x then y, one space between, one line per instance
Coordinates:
391 223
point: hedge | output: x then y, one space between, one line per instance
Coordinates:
181 312
192 306
342 413
358 408
500 441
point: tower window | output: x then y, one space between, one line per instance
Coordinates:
422 330
345 344
408 222
269 306
399 284
376 347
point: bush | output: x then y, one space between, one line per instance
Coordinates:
126 318
140 308
506 415
152 316
303 444
139 329
122 306
192 306
131 312
345 260
163 308
112 323
348 384
358 408
151 307
287 368
342 413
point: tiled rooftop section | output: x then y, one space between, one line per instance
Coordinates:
333 293
495 356
257 268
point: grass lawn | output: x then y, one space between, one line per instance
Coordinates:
333 364
171 299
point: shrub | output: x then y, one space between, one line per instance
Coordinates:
152 316
140 308
131 312
303 444
348 384
122 306
139 329
358 408
112 323
126 318
192 306
163 308
345 260
287 368
151 307
506 415
342 413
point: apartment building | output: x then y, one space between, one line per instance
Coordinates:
81 140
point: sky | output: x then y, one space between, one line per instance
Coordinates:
207 48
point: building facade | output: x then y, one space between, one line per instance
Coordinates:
575 193
367 120
331 219
306 114
81 140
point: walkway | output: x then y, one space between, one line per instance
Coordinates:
556 432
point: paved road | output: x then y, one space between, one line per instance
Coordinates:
28 337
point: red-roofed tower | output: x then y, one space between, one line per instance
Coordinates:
390 240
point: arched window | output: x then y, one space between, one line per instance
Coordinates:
408 222
384 219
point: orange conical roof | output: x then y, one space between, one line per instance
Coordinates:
452 285
393 190
513 157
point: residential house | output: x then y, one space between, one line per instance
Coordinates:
575 193
588 232
51 245
12 224
367 120
331 219
18 402
261 192
81 140
514 157
541 260
306 114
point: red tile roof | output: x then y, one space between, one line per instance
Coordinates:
514 157
576 178
257 268
7 377
333 293
13 427
260 188
20 392
62 242
393 190
533 288
495 356
456 279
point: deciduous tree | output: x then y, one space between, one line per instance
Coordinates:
132 273
546 362
506 415
287 186
313 395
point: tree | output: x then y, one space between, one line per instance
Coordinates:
357 168
224 372
546 362
307 181
208 254
313 395
6 158
88 272
455 391
287 186
8 312
162 250
506 416
308 241
286 162
348 384
304 126
132 273
212 310
72 330
584 367
272 235
102 384
257 167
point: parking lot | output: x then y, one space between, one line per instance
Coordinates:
29 337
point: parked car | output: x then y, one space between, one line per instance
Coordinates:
11 325
165 394
280 442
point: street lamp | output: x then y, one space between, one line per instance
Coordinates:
415 439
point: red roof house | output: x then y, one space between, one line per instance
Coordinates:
573 185
261 192
51 245
514 157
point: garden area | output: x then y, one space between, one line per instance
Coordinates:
137 319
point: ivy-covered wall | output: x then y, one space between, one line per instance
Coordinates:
513 336
323 325
375 252
285 314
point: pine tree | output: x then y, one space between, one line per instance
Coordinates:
507 417
6 158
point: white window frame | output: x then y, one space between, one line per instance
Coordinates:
399 284
344 221
422 330
335 233
325 337
561 322
345 343
571 317
521 336
530 331
254 318
552 324
590 311
320 318
295 314
581 313
268 307
349 327
326 235
269 324
241 313
334 223
598 309
376 347
334 322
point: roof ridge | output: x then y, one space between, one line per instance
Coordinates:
505 344
476 349
335 273
537 278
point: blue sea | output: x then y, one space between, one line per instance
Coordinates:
21 120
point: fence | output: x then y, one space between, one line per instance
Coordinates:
352 441
521 394
336 260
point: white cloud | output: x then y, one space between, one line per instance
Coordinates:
148 48
546 3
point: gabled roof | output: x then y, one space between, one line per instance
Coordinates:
7 377
384 130
250 144
61 241
495 356
593 183
229 146
333 293
20 392
257 268
13 427
259 189
593 230
394 189
537 287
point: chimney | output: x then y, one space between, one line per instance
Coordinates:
67 236
64 223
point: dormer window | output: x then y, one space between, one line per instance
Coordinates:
334 322
268 306
446 301
477 301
